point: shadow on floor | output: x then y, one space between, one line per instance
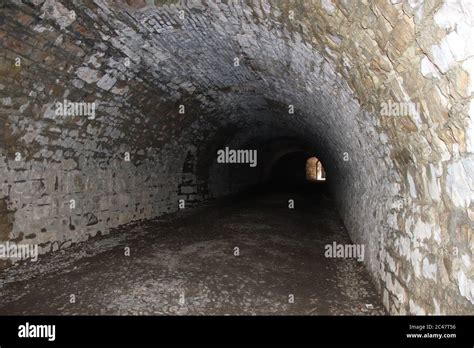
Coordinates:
243 255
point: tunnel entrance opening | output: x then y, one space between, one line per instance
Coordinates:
298 171
315 170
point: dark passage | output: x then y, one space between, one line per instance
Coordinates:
289 170
187 263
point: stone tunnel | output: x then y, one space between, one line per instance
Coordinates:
113 112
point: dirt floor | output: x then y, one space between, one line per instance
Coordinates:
186 264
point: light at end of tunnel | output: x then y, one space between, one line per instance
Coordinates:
315 170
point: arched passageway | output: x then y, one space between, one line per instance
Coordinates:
114 113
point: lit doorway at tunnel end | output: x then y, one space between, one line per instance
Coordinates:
315 170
